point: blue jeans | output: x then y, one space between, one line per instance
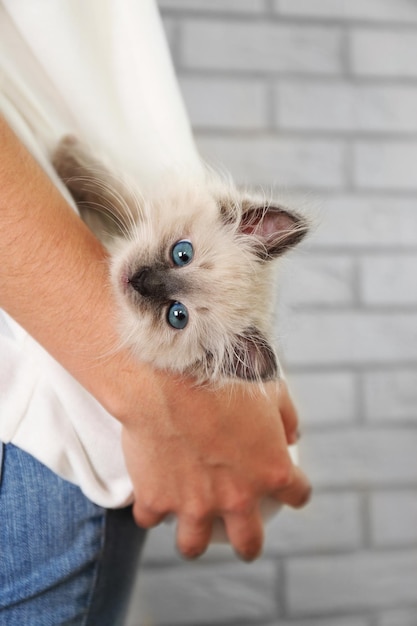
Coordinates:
63 559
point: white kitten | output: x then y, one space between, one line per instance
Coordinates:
191 265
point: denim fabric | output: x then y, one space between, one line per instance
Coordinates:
63 559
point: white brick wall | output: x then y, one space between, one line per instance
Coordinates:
391 395
216 593
377 221
383 53
249 46
237 104
389 280
355 582
267 160
394 518
398 617
373 10
361 457
385 164
295 532
346 106
332 621
318 100
216 6
350 337
326 398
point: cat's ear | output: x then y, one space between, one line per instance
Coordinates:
252 358
273 229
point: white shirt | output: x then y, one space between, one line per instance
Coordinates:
100 69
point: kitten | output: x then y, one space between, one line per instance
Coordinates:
191 266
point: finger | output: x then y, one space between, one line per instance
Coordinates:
245 533
289 414
146 518
297 492
193 536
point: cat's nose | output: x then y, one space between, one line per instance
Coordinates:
153 282
142 281
157 283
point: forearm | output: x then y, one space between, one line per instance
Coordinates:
54 274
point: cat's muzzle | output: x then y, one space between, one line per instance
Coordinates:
156 283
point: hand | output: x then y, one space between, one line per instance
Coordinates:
202 453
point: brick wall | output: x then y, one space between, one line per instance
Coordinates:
318 97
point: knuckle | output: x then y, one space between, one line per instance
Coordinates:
153 505
144 520
149 512
197 513
242 504
282 475
304 497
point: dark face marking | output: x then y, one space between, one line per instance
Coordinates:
158 283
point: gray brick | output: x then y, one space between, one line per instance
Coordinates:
215 6
398 617
323 621
391 395
324 398
360 457
264 47
344 106
375 222
349 338
329 522
195 594
352 582
375 10
221 103
283 162
389 280
385 165
394 518
318 280
160 545
138 613
383 53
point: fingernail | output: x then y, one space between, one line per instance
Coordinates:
249 558
192 554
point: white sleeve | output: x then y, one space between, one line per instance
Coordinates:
108 61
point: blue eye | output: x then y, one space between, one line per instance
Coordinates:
182 252
177 315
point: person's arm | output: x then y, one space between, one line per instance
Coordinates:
189 451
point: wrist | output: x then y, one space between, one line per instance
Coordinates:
122 385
